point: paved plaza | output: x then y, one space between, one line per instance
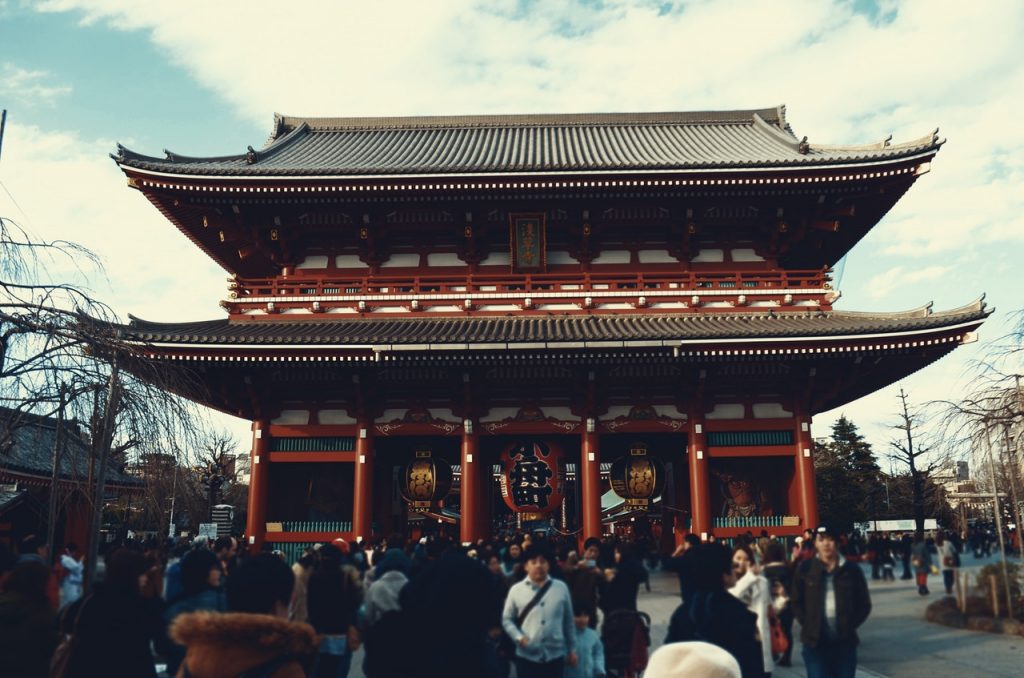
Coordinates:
896 641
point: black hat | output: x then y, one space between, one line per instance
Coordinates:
827 531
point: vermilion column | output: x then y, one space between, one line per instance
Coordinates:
805 472
680 482
589 478
471 485
700 494
362 500
259 480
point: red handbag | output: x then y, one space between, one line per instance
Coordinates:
779 641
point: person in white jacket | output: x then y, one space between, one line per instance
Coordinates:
754 590
71 585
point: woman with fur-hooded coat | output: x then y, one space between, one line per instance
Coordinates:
225 645
255 636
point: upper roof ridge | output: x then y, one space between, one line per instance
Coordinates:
285 123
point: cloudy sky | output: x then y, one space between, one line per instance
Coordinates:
204 78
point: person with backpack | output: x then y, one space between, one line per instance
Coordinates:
950 558
111 631
334 596
711 614
28 628
830 599
201 580
254 638
538 617
382 619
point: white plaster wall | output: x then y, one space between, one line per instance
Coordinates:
709 256
408 260
334 417
349 261
726 411
444 259
656 257
771 411
746 254
612 257
314 261
292 417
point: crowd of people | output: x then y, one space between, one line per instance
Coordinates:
539 605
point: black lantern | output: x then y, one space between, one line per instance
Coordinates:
425 481
638 477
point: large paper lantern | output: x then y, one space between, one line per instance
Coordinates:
425 481
638 478
533 478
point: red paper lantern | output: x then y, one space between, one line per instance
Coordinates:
533 477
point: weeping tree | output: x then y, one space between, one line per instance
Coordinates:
61 355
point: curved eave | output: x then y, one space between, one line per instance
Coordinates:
447 178
193 341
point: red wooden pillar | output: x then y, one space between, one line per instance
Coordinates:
362 500
681 485
589 477
259 482
805 472
471 485
700 493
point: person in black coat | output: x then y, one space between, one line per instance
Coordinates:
711 614
334 594
116 625
449 611
679 562
830 599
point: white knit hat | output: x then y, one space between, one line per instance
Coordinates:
692 659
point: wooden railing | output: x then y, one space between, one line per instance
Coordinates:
525 284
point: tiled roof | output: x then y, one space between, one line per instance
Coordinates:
374 331
32 450
509 144
10 497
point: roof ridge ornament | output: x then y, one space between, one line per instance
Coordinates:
803 148
251 155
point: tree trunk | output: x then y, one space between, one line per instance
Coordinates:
58 453
102 443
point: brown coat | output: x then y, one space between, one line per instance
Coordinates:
223 645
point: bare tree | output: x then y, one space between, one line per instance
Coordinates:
915 450
62 351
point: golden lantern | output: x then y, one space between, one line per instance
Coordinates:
638 478
425 481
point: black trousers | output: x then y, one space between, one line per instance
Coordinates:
525 669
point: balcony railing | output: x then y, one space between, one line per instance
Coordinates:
503 285
686 290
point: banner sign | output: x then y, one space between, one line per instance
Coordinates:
528 242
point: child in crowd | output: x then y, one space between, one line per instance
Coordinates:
589 650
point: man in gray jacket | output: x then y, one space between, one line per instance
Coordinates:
538 618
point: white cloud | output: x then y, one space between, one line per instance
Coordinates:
845 78
65 187
883 284
29 87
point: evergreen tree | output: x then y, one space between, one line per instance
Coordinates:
848 478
